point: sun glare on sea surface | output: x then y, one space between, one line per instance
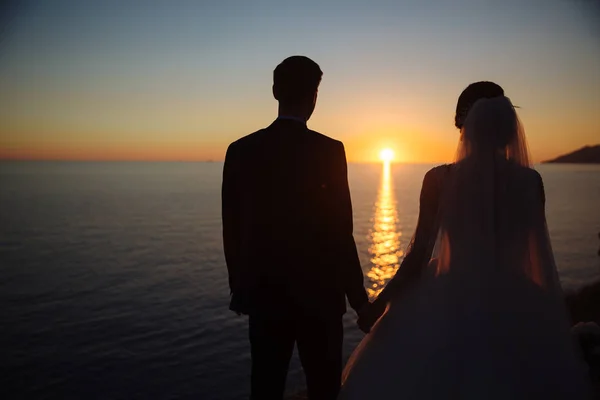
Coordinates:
386 155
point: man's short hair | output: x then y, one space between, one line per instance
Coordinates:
296 79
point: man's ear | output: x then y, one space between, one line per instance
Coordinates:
275 93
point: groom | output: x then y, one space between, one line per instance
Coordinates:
287 234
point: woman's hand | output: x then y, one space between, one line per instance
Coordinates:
369 314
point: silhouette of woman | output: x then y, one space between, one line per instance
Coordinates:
476 310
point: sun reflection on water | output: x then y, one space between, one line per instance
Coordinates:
385 237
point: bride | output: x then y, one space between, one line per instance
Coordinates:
476 309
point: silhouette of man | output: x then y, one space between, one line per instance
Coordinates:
287 233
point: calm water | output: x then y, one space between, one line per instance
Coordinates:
113 283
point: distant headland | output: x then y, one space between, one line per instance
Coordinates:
585 155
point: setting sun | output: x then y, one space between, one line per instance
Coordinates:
386 155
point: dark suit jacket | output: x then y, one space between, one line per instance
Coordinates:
287 223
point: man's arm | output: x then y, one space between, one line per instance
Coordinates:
230 216
352 273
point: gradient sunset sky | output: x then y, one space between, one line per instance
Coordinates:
180 80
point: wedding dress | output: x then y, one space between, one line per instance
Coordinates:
480 314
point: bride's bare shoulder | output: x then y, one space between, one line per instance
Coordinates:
434 177
529 182
438 170
528 175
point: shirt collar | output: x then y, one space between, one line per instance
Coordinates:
292 118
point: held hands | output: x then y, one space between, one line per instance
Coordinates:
369 314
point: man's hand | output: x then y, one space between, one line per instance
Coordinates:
369 314
237 303
361 312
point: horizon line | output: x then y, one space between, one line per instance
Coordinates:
207 161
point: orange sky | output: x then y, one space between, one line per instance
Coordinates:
409 145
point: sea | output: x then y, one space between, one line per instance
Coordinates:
113 282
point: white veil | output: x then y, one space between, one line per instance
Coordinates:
492 202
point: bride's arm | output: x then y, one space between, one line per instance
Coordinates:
540 263
420 249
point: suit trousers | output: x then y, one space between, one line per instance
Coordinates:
319 341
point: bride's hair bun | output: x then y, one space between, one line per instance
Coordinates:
474 92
